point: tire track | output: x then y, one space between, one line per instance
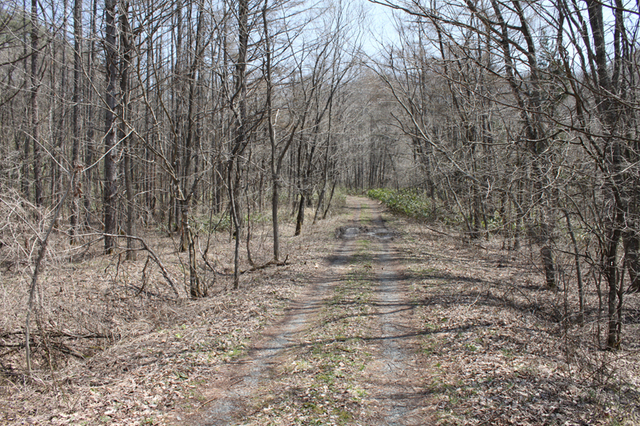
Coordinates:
310 335
244 377
399 397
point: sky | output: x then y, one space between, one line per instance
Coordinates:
379 26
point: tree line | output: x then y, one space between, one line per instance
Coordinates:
519 118
155 113
524 116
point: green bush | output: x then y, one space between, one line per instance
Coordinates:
207 224
410 202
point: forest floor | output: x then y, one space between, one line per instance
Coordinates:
374 319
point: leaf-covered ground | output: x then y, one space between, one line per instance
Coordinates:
412 326
429 329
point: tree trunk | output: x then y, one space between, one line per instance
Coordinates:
613 167
125 112
110 189
549 266
240 137
89 147
632 260
576 256
326 210
37 156
274 218
300 217
75 150
611 274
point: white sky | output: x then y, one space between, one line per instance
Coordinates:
379 27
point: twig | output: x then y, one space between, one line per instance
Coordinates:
144 276
155 258
115 279
36 270
66 350
208 401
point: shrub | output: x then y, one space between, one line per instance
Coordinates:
410 202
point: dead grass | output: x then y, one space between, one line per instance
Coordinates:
120 355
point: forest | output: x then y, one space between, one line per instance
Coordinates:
177 148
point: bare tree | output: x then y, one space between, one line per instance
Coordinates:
570 75
34 110
77 88
110 188
124 111
238 105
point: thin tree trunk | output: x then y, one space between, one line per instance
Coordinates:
37 156
36 272
75 150
326 210
300 217
611 274
240 137
578 271
613 168
125 110
632 260
110 189
325 171
24 181
197 287
89 147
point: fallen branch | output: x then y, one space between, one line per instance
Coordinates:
266 265
437 231
12 345
55 346
155 258
58 334
68 351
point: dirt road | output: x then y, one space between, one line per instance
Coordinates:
421 327
344 351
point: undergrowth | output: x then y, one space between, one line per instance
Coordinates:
409 202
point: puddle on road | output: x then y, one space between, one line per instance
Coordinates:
352 232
